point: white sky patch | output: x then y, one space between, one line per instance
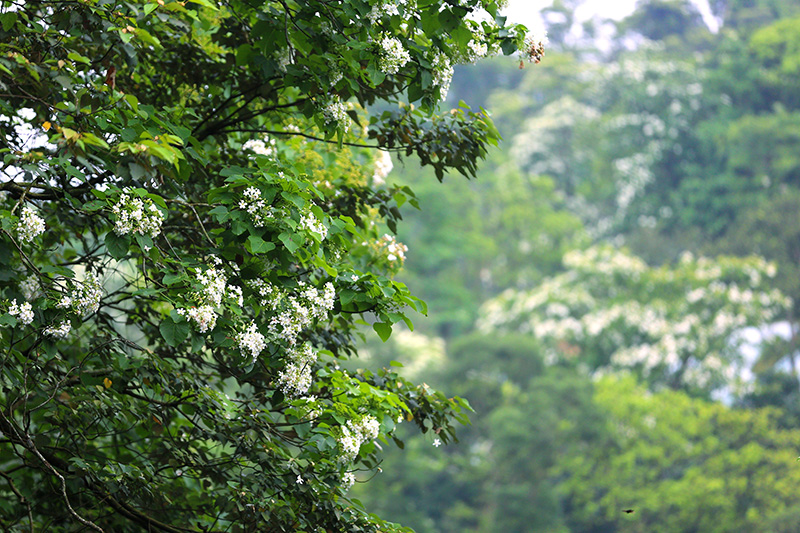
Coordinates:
527 12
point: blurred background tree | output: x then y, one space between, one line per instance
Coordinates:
662 139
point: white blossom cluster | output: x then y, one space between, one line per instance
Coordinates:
23 312
59 331
136 215
442 73
354 434
269 295
395 251
384 9
30 287
383 165
204 316
366 427
392 55
334 75
255 206
605 306
215 287
30 225
214 291
348 480
309 222
604 260
335 112
251 341
295 379
84 299
261 147
477 49
349 445
300 311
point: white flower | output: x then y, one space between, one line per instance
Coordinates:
299 480
383 165
395 251
214 283
136 215
336 113
334 75
260 147
311 223
437 442
204 316
30 288
252 341
367 428
86 296
300 312
60 331
256 207
442 72
392 55
23 312
349 445
234 294
348 480
477 50
270 295
30 225
295 379
355 433
383 10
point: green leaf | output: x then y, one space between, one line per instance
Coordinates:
173 332
117 245
173 278
74 56
145 242
59 270
346 296
258 245
8 20
94 205
383 330
220 213
290 240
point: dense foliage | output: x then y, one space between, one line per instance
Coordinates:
193 228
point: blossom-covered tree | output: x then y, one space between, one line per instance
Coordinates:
193 228
672 326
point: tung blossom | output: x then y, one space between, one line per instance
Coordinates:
23 312
392 55
30 225
251 341
136 215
